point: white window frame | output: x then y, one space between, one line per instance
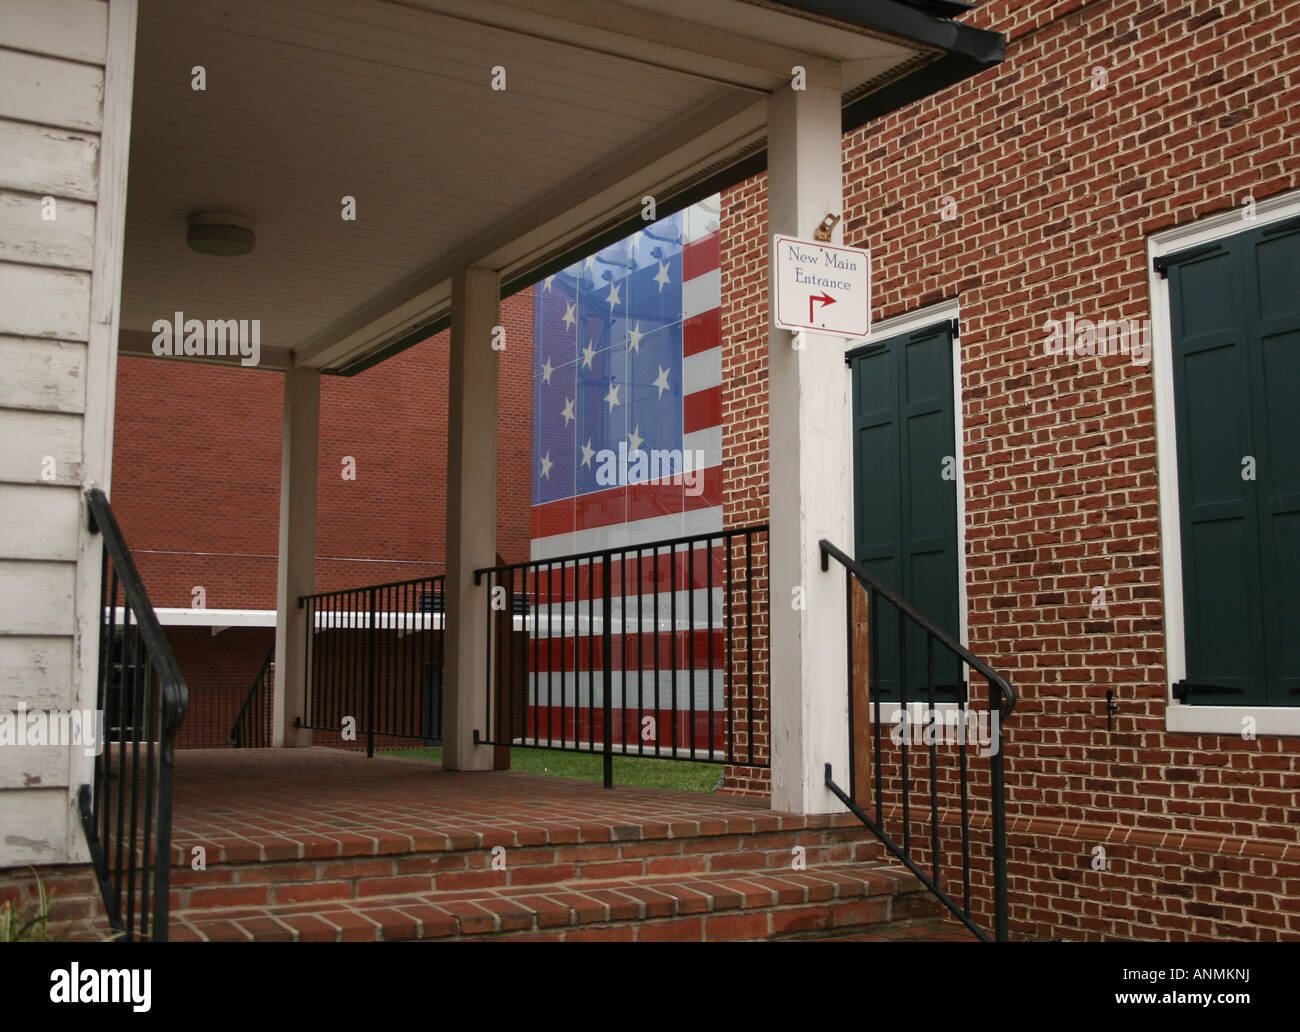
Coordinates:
909 322
1179 716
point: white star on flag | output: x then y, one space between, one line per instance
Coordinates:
567 413
546 465
634 336
547 370
663 279
634 439
569 319
613 298
549 280
612 396
661 381
588 353
587 452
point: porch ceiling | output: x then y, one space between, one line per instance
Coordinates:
388 101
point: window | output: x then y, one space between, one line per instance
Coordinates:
905 504
1227 368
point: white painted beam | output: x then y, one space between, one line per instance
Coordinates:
808 411
471 513
140 342
297 562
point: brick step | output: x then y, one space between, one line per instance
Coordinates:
459 863
851 898
929 929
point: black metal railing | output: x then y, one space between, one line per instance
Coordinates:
374 660
915 642
252 726
655 650
141 698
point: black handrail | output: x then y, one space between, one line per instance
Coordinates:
562 629
1002 700
142 698
969 658
251 729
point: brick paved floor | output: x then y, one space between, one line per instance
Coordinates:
268 804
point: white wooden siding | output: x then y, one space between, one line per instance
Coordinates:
47 161
28 93
58 283
66 241
35 670
28 439
75 29
42 375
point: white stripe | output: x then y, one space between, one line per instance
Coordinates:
560 620
699 217
634 748
702 371
708 442
583 688
619 535
702 293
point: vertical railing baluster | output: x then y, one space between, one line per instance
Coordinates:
902 704
997 780
690 638
729 675
934 760
607 658
965 804
640 650
372 674
848 637
708 603
659 735
749 644
672 641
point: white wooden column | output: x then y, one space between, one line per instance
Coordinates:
810 467
297 566
471 513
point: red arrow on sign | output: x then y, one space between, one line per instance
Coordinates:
825 300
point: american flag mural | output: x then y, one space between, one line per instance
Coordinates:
627 450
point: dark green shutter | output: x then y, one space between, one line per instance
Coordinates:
1235 327
905 510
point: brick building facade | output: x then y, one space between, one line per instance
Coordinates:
1026 193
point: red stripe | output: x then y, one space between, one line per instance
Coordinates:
702 255
582 653
702 332
702 409
625 505
586 724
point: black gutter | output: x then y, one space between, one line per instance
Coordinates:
966 51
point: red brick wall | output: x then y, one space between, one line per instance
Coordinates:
196 469
1057 187
744 453
196 487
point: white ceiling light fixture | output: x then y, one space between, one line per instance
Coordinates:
220 233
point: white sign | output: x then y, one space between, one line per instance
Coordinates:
822 288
